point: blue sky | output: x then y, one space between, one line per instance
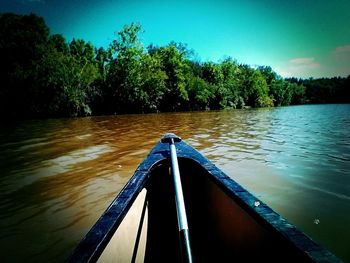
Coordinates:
300 38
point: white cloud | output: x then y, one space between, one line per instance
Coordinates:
342 49
303 61
341 60
334 63
299 67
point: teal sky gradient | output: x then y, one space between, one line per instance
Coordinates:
296 38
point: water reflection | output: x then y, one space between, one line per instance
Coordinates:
58 176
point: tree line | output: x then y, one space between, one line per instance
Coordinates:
43 75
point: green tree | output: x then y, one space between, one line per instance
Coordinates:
298 94
200 93
124 78
72 75
66 86
103 57
154 83
23 43
174 65
254 89
269 75
231 82
136 80
212 74
59 43
284 93
43 76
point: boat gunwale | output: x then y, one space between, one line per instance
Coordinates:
92 245
95 241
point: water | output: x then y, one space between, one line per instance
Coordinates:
58 176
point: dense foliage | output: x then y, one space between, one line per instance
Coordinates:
44 76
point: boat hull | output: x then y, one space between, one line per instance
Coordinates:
226 222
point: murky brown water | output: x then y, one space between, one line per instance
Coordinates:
58 176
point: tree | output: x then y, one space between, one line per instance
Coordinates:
66 87
23 43
269 75
41 74
136 80
254 89
200 93
154 83
124 79
298 94
231 71
212 74
59 43
44 76
174 65
102 58
260 96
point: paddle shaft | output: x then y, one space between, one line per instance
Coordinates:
180 206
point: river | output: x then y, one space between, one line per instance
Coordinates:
58 176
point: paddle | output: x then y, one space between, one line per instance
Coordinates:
180 204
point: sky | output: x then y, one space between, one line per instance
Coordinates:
300 38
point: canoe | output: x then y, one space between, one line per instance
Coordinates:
226 222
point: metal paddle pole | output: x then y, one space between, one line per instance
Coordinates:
179 198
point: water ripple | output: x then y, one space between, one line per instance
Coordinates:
59 175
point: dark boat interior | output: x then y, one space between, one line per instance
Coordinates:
222 227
